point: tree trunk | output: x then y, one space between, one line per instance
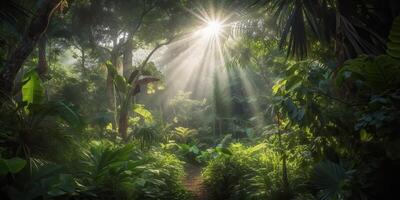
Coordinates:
36 28
83 60
42 67
127 62
285 178
124 118
123 115
124 112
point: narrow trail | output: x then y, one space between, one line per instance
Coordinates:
194 182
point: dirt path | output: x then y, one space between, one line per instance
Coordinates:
194 182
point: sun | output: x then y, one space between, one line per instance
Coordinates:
213 27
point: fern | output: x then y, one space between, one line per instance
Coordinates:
379 73
393 46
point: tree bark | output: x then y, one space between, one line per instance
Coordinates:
83 59
127 62
35 30
123 118
126 68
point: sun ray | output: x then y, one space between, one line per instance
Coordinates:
191 62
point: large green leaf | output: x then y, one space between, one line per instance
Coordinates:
13 165
143 112
66 113
32 90
120 83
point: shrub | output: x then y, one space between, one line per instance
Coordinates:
124 172
254 173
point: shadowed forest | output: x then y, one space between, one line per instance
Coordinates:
200 99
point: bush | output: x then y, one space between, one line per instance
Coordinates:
125 172
253 173
104 171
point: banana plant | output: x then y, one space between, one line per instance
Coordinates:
128 88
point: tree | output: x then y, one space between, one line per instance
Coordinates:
34 32
132 87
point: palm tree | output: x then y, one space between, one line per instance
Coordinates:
352 26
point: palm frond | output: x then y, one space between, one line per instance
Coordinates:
330 180
296 19
393 46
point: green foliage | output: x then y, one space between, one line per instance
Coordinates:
104 171
251 173
374 73
66 113
348 114
374 81
44 180
184 134
147 136
114 171
143 113
393 47
45 131
220 149
188 152
331 180
226 175
12 165
188 111
299 94
301 24
32 89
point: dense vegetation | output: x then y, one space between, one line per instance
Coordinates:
273 99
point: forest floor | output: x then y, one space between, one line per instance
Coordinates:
194 182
